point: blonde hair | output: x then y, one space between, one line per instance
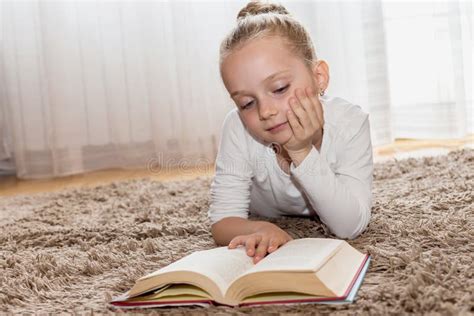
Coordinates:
263 19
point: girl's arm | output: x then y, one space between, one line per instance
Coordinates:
227 228
230 227
258 237
341 195
230 188
230 197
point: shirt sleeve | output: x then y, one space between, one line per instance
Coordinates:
342 197
230 188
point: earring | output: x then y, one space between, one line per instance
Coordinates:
321 93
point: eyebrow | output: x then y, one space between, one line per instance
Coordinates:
266 79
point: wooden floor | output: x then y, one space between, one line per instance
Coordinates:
402 148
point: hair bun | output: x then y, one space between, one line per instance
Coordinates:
258 7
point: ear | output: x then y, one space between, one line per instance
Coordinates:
321 75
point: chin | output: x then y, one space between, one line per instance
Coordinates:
281 139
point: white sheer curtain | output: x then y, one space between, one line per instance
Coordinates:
429 46
101 84
87 85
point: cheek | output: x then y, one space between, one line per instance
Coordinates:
250 119
285 105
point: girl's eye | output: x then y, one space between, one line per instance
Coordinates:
247 105
281 90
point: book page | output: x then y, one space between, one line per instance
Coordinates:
339 272
178 291
278 296
222 265
307 254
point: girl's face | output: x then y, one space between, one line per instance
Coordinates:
261 77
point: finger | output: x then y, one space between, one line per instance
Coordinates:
236 241
300 111
294 122
250 245
261 250
273 245
309 115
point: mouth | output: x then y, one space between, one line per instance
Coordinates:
275 127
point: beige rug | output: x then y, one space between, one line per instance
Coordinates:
71 251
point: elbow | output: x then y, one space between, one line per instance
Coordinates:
354 226
349 233
346 234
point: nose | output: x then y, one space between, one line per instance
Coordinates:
266 110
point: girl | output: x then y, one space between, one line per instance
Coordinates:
287 149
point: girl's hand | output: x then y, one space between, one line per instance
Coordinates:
306 120
266 240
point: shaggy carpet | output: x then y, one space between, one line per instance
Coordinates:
71 251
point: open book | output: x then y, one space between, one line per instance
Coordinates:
315 270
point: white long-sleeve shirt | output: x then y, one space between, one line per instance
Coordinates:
334 183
